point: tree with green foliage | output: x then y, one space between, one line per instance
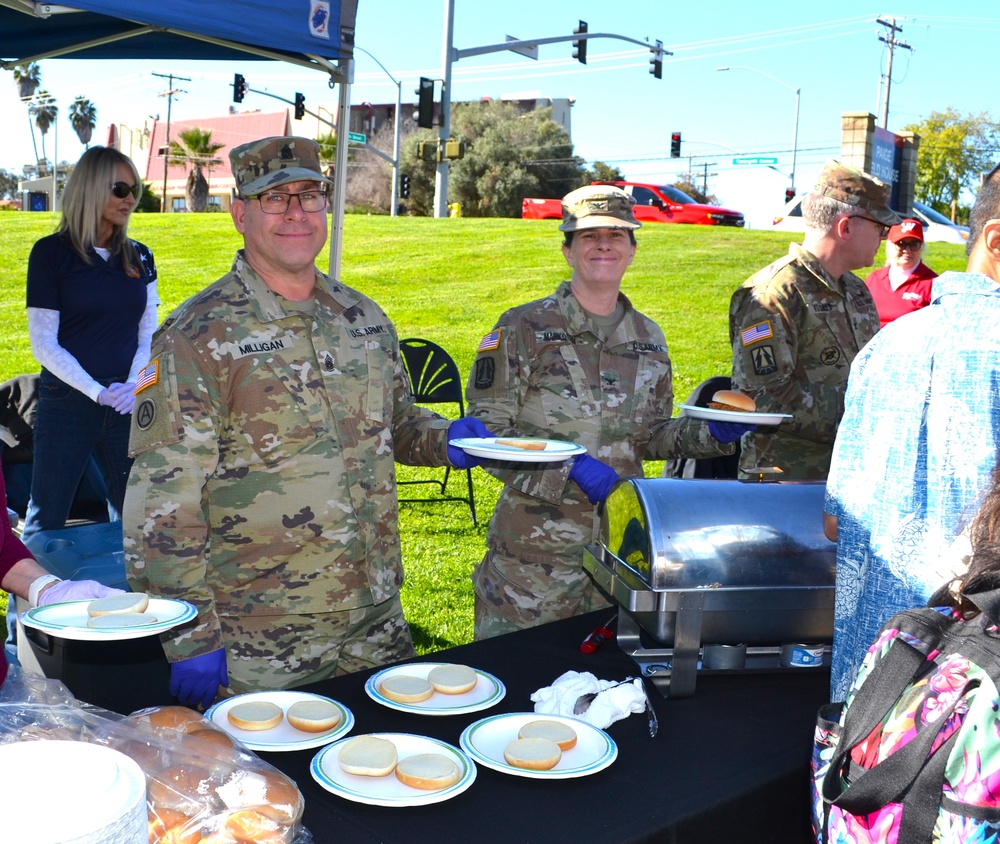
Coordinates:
510 154
954 150
44 109
686 184
83 117
149 202
197 150
27 77
8 184
602 172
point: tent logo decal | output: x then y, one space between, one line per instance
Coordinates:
319 19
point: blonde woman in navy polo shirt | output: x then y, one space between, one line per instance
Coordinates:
91 315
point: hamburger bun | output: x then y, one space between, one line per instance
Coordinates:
313 716
186 832
368 756
453 679
215 736
125 602
250 825
255 715
161 819
180 787
527 445
121 619
404 688
562 734
535 754
428 771
270 793
174 718
733 400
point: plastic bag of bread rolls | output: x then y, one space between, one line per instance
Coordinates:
202 787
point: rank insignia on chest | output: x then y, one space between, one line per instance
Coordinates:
490 342
148 376
763 360
755 333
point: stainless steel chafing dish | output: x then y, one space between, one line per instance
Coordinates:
716 575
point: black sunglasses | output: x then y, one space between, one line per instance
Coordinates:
123 189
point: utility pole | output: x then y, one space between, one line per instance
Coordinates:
169 94
889 38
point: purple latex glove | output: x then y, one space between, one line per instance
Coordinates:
729 432
75 590
466 427
593 477
196 680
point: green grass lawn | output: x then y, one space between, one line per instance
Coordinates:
447 281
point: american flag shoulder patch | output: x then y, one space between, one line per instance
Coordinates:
760 331
148 376
490 342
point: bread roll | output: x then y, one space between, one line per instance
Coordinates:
404 688
121 619
428 771
562 734
180 787
161 819
368 756
125 602
313 716
269 792
174 717
188 832
453 679
526 445
255 715
214 736
251 826
732 400
536 754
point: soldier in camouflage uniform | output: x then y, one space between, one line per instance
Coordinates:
263 489
796 325
581 365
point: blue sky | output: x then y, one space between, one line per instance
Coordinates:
622 115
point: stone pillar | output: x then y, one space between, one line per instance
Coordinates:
856 128
908 172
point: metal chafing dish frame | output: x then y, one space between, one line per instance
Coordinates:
682 617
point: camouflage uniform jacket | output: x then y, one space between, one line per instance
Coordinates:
549 375
264 480
794 331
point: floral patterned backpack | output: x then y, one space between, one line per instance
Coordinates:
913 756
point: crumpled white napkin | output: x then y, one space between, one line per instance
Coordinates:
614 700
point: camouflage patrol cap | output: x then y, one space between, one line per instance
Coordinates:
270 162
862 190
597 207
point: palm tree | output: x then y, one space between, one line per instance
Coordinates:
327 151
195 148
83 116
45 110
27 77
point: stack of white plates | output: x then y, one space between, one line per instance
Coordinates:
70 792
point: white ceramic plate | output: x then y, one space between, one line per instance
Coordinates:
488 448
488 692
68 620
389 791
733 415
284 736
486 739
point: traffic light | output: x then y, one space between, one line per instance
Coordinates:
656 60
404 185
425 103
300 106
580 44
240 88
675 144
789 194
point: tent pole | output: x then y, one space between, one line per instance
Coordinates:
340 169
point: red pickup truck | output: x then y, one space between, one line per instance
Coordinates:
653 203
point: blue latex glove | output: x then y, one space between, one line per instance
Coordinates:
465 428
593 477
197 679
729 432
75 590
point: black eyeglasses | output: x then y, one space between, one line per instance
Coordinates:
123 189
276 202
883 228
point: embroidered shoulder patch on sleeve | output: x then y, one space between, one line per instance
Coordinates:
148 376
490 342
759 331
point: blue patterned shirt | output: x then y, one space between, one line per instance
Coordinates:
913 455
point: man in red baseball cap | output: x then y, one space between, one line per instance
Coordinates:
903 285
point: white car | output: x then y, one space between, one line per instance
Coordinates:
937 227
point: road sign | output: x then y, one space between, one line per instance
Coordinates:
358 138
755 159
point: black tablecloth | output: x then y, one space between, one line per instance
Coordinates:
730 762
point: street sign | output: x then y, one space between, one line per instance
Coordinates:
755 159
357 138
